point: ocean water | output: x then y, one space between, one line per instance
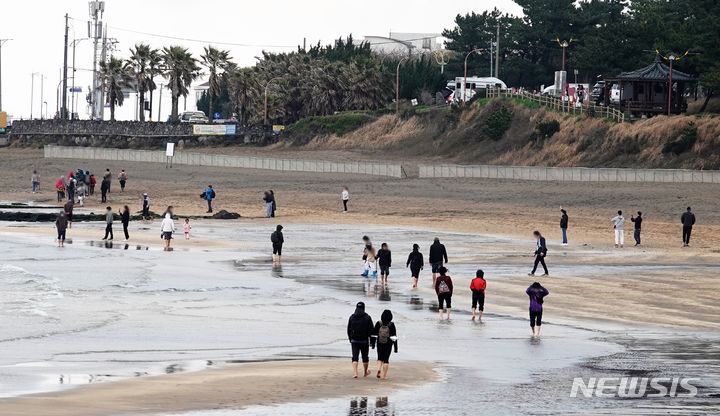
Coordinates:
90 313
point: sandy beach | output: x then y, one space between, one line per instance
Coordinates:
599 294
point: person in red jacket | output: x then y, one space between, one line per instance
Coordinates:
444 291
477 287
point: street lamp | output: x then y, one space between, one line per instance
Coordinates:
564 44
478 50
266 100
2 42
32 92
73 110
397 85
671 58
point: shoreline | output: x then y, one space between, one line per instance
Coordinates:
233 386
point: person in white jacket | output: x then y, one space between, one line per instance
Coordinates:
618 222
167 227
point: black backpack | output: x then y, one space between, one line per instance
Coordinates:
357 328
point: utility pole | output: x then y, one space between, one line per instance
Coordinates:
491 57
63 110
497 53
32 92
95 31
42 93
2 42
160 103
397 86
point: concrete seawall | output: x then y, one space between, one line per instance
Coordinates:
243 162
567 174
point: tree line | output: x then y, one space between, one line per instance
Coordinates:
608 37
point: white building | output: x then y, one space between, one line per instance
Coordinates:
405 43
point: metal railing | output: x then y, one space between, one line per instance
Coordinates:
557 104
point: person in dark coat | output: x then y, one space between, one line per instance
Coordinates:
277 240
536 292
359 331
638 227
385 337
384 257
540 253
688 220
436 257
564 219
125 220
415 263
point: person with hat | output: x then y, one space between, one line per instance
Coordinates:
359 330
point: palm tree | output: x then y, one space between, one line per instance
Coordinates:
154 69
244 91
115 77
139 66
214 60
180 70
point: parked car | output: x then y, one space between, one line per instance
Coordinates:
197 117
597 90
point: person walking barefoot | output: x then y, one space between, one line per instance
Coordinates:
477 288
277 239
61 223
536 292
359 331
444 291
385 337
438 253
384 261
540 253
415 262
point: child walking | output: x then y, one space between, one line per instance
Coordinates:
477 287
187 228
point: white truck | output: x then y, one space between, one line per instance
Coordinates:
464 89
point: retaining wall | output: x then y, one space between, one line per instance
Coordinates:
563 174
244 162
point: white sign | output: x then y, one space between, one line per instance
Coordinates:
170 150
214 129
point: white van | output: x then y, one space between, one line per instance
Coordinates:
472 85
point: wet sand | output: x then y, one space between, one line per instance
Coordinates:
233 386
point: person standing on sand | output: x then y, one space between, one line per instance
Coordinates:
638 227
93 182
60 188
274 204
416 263
122 178
107 179
444 291
68 208
277 239
35 181
438 253
109 217
384 261
209 196
540 253
359 331
146 207
103 191
564 219
345 197
167 227
71 190
688 220
268 204
477 288
385 337
125 220
618 222
61 223
536 292
187 228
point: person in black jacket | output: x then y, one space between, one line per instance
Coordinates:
385 337
437 255
688 220
359 331
125 220
415 262
638 227
540 254
564 219
277 240
384 257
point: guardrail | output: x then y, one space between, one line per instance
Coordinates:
557 104
568 174
243 162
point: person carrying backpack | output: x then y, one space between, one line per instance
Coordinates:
477 287
209 195
536 292
385 337
122 178
444 291
359 331
277 240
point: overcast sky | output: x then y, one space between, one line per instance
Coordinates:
36 27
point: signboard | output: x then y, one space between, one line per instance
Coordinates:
560 82
214 129
277 128
170 150
3 120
